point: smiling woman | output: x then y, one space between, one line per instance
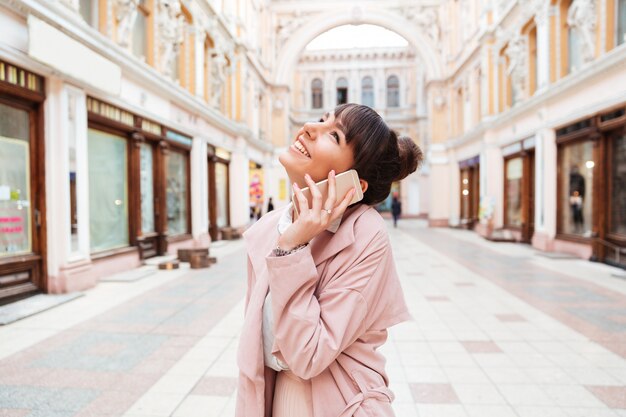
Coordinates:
308 336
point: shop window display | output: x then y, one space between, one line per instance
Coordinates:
576 167
108 190
618 186
514 170
221 180
15 198
176 194
146 180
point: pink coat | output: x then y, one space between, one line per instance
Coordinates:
332 303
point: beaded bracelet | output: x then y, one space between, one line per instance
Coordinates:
282 252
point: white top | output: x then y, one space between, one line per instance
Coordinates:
272 361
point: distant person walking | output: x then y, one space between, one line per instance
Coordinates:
396 210
270 205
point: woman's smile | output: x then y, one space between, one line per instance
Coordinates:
300 147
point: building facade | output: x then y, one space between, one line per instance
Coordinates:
127 131
532 147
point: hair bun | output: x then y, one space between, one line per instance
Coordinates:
411 157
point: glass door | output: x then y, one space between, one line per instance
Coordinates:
19 260
616 207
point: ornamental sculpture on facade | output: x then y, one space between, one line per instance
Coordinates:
582 18
170 33
516 52
426 19
218 76
125 16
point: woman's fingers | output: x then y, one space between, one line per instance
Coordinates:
303 204
316 196
341 208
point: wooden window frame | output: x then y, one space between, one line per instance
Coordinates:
186 152
505 219
472 167
588 132
34 263
103 124
213 159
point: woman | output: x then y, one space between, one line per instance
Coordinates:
322 287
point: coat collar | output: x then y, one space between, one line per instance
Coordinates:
262 237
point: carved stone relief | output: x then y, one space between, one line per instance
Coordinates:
170 25
125 16
582 18
426 19
287 25
516 52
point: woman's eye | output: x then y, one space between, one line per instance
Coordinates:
336 136
321 120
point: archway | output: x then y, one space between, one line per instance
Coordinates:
376 16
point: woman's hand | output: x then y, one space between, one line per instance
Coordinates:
312 221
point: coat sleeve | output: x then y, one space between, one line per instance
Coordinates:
251 280
311 331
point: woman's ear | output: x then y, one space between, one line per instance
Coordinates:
363 185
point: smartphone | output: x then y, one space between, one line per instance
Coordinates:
343 182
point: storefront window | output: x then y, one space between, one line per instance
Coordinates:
177 193
465 194
147 190
108 190
221 184
71 151
618 186
576 179
15 204
514 170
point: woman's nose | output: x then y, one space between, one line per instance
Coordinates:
310 129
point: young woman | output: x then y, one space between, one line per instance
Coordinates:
322 286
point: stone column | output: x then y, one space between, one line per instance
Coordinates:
66 117
199 192
545 189
238 179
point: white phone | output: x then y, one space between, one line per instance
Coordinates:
343 183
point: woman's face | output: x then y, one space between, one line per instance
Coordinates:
318 148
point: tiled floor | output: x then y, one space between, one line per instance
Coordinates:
497 331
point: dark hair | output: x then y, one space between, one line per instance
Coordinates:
380 156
